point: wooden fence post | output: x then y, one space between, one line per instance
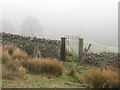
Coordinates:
59 51
82 60
35 48
80 49
63 49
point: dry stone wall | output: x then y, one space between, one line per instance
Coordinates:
104 58
48 48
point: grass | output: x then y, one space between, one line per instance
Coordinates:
9 47
97 48
102 78
48 66
22 71
5 57
69 53
19 54
31 80
72 73
8 74
16 73
72 58
16 60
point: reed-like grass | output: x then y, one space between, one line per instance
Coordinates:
102 79
22 71
69 53
18 58
9 46
5 57
13 65
48 66
19 54
14 52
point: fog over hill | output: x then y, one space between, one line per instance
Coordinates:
94 20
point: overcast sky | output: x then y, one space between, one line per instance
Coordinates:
94 20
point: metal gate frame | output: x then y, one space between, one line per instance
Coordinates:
63 46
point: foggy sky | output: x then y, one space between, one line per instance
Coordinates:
94 20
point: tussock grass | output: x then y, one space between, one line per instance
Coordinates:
22 72
14 52
18 61
69 53
9 46
9 74
5 57
19 54
102 79
48 66
13 65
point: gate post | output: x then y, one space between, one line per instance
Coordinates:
63 48
80 49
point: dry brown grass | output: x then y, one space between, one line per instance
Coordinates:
38 54
69 53
49 66
5 57
102 79
12 50
36 65
22 72
19 54
9 46
7 74
13 65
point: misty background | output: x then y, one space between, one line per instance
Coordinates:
94 20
